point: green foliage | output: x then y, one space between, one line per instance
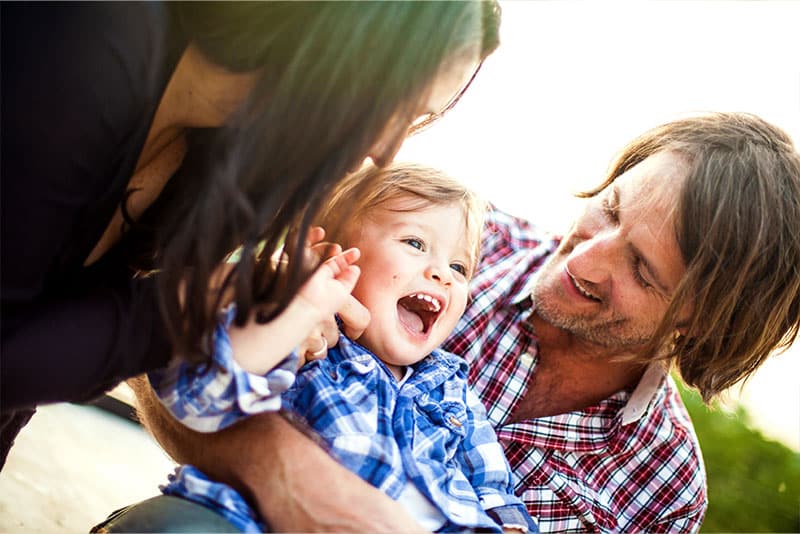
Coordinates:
753 482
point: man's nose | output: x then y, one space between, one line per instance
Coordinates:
598 258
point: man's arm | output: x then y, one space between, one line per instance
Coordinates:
292 482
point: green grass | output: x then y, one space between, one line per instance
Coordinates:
753 482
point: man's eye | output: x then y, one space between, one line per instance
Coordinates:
637 274
457 267
414 242
610 208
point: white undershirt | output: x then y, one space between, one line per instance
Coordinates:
420 508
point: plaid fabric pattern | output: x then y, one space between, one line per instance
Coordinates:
628 464
212 399
188 482
430 430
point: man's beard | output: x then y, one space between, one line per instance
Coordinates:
605 328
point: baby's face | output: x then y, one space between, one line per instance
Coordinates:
415 267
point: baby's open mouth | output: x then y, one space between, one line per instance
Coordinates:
418 311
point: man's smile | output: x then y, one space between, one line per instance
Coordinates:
582 290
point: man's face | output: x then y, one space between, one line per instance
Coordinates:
612 278
415 267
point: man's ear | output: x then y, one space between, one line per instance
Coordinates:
684 319
681 328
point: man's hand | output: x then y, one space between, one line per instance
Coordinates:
292 482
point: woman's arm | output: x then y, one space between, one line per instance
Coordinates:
292 482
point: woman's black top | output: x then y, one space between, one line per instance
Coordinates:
80 86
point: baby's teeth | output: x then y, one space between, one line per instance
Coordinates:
427 298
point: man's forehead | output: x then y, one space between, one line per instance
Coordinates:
648 196
655 183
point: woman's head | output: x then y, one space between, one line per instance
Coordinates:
738 228
344 71
338 81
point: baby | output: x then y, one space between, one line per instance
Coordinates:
392 407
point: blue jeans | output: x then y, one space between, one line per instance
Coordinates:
165 513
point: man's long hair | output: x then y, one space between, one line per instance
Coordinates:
738 228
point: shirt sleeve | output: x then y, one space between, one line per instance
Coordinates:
78 85
486 467
208 400
512 250
190 483
688 519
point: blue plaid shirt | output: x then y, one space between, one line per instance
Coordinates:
212 399
430 431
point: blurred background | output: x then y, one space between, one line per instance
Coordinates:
572 82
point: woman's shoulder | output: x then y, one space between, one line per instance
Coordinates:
71 32
79 60
80 84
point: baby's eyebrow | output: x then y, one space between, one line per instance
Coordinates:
410 225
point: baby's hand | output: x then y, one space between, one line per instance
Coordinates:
326 293
330 286
258 348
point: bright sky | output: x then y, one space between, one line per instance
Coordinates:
573 81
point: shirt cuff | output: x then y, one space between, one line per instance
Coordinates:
513 516
210 398
254 393
190 483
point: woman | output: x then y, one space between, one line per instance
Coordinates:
161 137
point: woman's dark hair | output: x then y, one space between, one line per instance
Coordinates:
333 76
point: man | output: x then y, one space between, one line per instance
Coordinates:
686 255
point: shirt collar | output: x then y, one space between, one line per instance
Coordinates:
543 251
645 392
441 360
525 292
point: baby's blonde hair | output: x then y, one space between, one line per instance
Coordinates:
371 187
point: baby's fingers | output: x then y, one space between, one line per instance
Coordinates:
349 277
350 255
340 263
355 317
315 235
325 250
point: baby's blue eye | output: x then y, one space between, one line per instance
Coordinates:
414 242
457 267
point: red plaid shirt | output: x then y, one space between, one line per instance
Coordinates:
628 464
